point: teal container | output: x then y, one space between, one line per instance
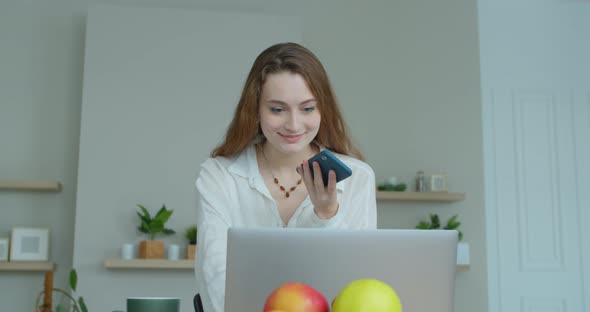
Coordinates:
153 304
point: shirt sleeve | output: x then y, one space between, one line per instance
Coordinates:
362 205
213 223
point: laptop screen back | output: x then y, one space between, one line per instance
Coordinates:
418 264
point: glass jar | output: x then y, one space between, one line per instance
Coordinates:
420 181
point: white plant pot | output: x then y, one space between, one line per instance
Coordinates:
173 252
463 253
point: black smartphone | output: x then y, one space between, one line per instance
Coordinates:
327 162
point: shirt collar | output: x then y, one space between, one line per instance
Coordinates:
245 164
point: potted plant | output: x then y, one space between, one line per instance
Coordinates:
452 224
71 303
190 234
152 248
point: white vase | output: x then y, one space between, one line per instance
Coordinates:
127 252
462 253
173 252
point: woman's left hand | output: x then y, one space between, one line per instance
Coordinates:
323 198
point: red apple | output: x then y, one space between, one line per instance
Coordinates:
296 297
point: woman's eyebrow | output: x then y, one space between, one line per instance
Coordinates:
307 101
285 103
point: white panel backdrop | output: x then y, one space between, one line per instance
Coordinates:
160 86
536 117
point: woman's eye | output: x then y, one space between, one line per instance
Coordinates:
309 109
276 109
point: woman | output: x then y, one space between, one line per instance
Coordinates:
286 114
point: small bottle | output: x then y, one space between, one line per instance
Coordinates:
420 181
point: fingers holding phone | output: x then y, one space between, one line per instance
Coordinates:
313 177
323 198
320 175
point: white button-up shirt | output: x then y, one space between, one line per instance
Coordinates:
233 194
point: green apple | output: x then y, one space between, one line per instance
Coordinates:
367 295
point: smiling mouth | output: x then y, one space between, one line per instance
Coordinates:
292 138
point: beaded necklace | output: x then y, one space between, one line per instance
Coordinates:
276 181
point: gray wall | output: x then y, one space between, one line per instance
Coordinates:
158 95
406 74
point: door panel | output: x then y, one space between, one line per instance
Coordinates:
533 202
536 119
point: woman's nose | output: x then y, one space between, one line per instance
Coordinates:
292 123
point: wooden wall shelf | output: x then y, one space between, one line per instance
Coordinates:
158 264
27 266
463 267
30 185
420 196
184 264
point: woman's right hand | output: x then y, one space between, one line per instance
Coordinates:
323 198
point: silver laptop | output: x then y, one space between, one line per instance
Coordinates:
418 264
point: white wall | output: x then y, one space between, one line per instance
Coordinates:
406 74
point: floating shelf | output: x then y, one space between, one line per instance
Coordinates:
30 266
30 185
184 264
420 196
463 267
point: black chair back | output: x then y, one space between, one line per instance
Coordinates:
197 303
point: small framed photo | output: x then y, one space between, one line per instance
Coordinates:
3 249
438 183
29 244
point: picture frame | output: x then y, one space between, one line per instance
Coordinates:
438 183
4 248
29 244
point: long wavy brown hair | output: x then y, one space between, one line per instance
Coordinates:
296 59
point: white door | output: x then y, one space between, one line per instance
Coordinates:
536 116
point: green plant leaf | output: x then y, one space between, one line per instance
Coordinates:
460 235
453 219
190 234
156 227
163 209
146 213
423 225
163 215
452 226
435 221
453 223
73 279
400 187
386 187
82 304
60 308
143 217
144 227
